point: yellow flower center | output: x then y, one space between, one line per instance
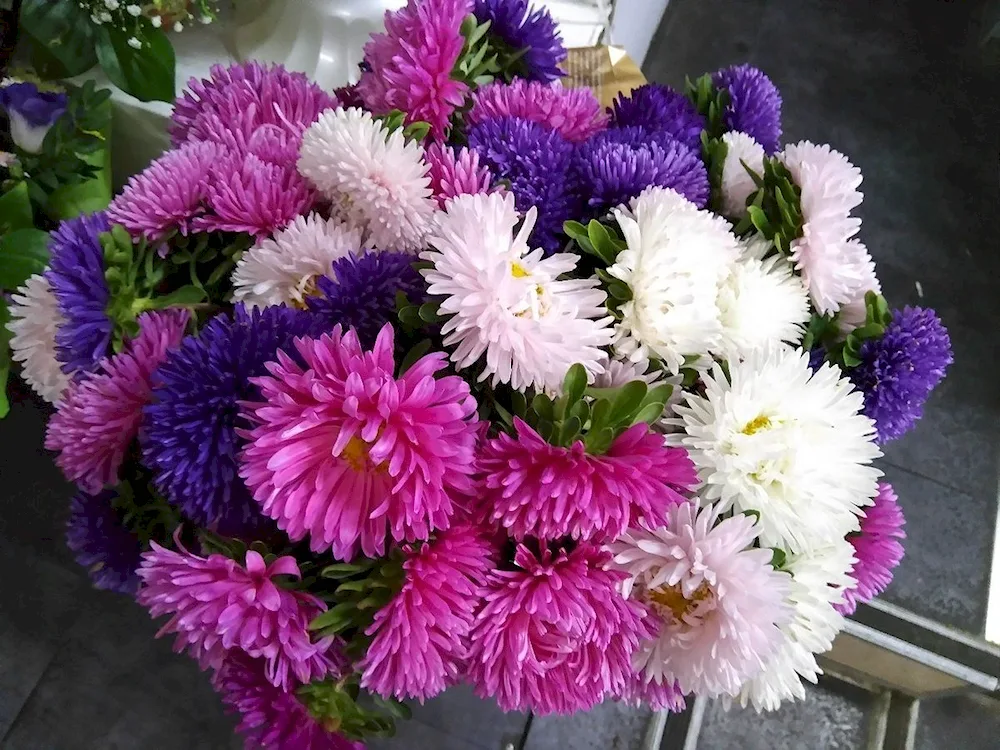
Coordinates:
518 271
671 599
356 454
758 423
309 288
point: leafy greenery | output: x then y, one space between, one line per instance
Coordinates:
59 37
147 73
23 252
845 351
710 102
341 706
775 210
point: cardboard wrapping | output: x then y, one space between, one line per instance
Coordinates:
605 70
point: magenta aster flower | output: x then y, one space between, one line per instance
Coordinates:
555 634
347 453
100 414
168 194
271 718
421 638
876 548
536 489
217 605
248 95
574 113
456 172
666 696
409 66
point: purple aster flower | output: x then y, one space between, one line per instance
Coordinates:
877 549
189 437
617 165
659 108
31 113
754 104
360 292
520 27
817 356
537 163
102 544
76 274
898 371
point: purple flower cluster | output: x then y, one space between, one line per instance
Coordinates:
754 104
101 543
521 27
659 108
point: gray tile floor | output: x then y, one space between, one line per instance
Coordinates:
898 86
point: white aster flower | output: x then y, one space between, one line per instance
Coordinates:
719 601
737 184
286 267
819 580
761 302
832 268
507 301
776 438
852 313
34 320
377 181
676 260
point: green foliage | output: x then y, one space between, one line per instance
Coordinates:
15 208
23 252
775 210
710 102
480 60
599 240
341 706
778 558
713 153
147 73
59 37
143 511
847 353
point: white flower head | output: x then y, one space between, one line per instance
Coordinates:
832 267
676 260
134 43
157 21
285 268
507 304
377 181
761 302
737 184
819 580
34 320
776 438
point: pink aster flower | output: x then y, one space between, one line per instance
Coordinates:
456 173
271 718
575 113
409 66
421 637
666 696
168 194
555 634
536 489
877 548
99 417
245 193
720 601
217 605
346 452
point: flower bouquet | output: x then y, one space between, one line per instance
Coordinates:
453 377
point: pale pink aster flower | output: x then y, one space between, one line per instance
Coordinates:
853 312
217 605
532 488
877 549
271 718
555 634
421 638
720 601
574 113
34 320
100 414
832 268
409 66
665 696
168 195
347 453
456 172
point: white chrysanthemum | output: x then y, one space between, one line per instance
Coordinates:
377 181
737 184
819 580
285 268
676 260
776 438
832 267
852 313
34 320
761 302
720 603
507 302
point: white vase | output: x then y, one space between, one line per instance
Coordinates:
322 38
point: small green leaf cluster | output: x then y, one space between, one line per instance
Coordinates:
845 351
775 209
341 706
603 242
396 119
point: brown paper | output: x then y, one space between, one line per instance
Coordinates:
605 70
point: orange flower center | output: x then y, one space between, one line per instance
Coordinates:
671 599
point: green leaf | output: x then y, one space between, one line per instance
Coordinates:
428 312
334 618
186 296
598 442
60 38
580 410
599 415
519 403
542 406
147 74
416 352
575 383
23 252
601 241
505 415
658 395
570 429
5 336
778 558
649 413
15 209
628 401
416 131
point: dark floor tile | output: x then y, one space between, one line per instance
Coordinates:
944 574
609 726
476 722
965 722
415 735
832 717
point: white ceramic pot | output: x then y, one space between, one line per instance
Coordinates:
322 38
